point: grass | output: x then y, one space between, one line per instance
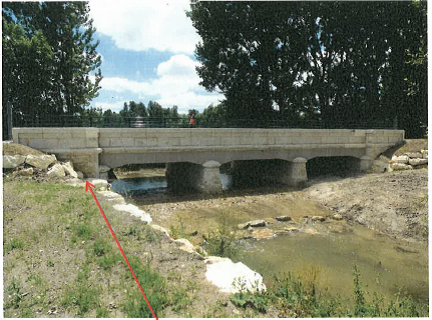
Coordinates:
51 220
295 297
221 243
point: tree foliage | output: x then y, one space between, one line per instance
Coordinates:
333 62
48 57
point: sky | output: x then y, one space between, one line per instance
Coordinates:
147 50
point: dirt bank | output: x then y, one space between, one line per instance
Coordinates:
393 203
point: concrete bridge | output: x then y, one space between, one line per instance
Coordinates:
194 156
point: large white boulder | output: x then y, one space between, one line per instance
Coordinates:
26 172
424 154
69 170
382 164
401 166
417 162
99 183
40 162
133 211
401 159
232 277
10 162
57 170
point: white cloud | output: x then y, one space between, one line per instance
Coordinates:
114 106
177 84
143 25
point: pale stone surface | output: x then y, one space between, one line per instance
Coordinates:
99 183
209 178
401 166
103 175
112 196
310 231
284 218
10 162
40 162
103 168
424 154
337 216
291 229
68 168
185 245
225 274
75 182
381 166
159 228
318 218
298 173
414 155
257 223
56 171
134 211
80 175
401 159
26 172
243 226
418 161
262 234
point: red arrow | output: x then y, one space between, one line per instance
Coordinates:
89 186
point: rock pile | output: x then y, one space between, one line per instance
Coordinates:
28 165
410 160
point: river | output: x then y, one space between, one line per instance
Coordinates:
327 249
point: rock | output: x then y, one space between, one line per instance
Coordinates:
103 168
401 159
424 154
75 182
284 218
161 229
381 166
80 175
11 162
243 226
226 275
257 223
40 162
133 211
291 229
400 166
318 218
262 234
112 196
418 161
56 171
99 183
337 216
185 245
68 168
103 175
413 155
310 231
26 172
336 228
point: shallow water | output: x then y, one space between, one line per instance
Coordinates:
383 265
386 265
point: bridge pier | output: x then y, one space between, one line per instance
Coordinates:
185 175
365 163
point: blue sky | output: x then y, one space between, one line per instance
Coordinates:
147 54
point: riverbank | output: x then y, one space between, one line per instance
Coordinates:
60 260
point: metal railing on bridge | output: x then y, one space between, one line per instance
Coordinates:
20 120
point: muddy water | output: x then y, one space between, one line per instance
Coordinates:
385 265
331 247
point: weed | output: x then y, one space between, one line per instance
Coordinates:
82 231
102 312
221 243
108 261
178 232
14 244
100 247
50 264
14 291
153 285
258 300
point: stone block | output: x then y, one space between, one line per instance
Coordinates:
424 154
11 162
401 166
418 161
57 171
40 162
414 155
401 159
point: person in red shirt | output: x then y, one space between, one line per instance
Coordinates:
192 119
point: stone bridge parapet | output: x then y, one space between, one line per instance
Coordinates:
89 148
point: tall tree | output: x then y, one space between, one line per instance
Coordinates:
60 81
